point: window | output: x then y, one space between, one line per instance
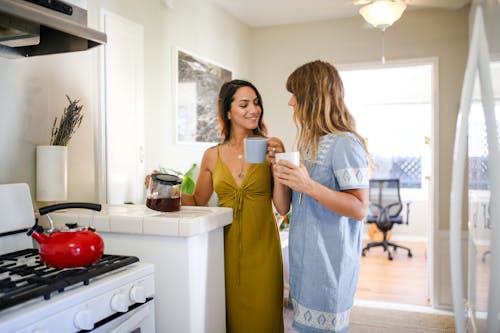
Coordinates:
393 107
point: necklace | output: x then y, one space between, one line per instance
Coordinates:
241 174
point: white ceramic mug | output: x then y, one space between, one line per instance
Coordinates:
293 156
255 149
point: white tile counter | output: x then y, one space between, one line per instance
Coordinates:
187 249
139 219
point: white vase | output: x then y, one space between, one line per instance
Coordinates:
51 173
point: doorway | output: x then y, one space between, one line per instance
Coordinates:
394 107
121 124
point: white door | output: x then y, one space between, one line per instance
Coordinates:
121 173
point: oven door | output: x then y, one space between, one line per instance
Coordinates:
138 320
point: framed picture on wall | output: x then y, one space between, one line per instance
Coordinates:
198 84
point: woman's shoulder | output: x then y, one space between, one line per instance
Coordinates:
340 135
211 152
349 146
209 158
341 144
213 148
342 139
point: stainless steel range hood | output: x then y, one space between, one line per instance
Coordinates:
39 27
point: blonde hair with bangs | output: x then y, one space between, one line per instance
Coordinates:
320 108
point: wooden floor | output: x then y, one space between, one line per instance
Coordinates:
405 280
401 280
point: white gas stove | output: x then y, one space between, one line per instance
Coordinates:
116 294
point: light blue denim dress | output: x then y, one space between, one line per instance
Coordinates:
325 248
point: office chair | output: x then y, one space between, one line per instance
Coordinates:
385 211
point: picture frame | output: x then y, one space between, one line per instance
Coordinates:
197 88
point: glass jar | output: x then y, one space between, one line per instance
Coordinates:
164 193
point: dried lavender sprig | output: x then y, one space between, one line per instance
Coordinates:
71 119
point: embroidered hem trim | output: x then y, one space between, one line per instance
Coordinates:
318 319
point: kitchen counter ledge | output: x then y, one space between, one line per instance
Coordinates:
139 219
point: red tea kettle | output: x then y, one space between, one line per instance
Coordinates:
74 247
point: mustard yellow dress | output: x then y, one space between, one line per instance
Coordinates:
252 251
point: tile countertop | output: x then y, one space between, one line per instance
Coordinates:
138 219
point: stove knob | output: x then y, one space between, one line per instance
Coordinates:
119 303
138 294
83 320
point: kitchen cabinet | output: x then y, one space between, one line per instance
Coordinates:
187 250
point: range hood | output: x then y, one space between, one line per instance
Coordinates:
38 27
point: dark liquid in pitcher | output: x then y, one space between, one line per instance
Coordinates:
164 204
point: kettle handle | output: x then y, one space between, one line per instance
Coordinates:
52 208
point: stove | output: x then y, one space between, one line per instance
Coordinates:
23 277
115 294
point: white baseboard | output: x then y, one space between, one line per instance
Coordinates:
401 307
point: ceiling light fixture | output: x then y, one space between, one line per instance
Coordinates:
382 13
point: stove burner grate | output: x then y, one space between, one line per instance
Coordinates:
23 277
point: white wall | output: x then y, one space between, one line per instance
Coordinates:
196 26
32 94
32 91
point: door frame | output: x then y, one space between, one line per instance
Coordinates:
433 194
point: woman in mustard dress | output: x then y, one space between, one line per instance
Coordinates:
252 249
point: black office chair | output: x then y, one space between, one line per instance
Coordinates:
385 211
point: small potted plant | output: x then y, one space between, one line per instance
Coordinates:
51 160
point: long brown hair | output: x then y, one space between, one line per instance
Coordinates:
320 108
226 97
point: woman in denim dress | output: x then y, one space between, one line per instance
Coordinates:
329 201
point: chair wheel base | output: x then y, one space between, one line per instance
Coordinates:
386 248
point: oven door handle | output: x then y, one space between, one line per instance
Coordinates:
133 321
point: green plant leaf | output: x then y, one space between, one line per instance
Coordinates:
191 170
188 185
